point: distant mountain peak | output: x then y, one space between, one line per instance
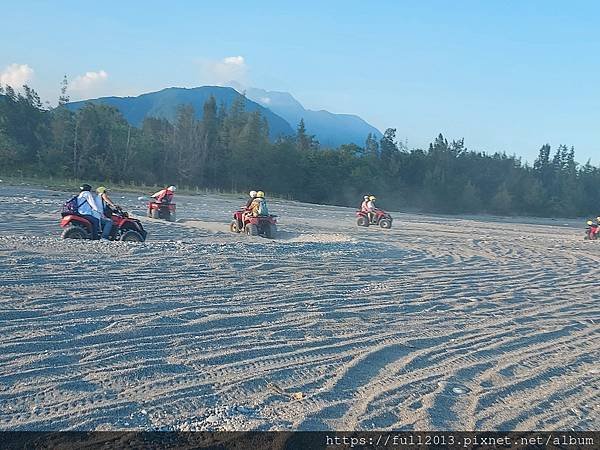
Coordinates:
331 129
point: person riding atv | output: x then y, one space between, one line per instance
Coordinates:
239 215
369 214
165 195
162 207
255 219
258 207
79 226
592 231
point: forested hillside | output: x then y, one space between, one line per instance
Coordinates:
163 105
229 148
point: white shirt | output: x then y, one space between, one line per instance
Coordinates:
87 206
370 206
100 204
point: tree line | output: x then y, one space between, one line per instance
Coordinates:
228 149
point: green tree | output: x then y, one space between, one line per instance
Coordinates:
501 202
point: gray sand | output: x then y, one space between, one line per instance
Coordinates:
471 323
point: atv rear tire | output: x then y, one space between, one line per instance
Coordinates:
233 226
132 236
385 223
155 214
251 229
149 213
362 221
172 217
271 231
74 232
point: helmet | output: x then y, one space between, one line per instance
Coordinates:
366 197
171 188
260 194
252 193
597 219
85 187
372 197
101 190
589 222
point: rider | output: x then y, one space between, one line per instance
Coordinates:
164 195
252 195
247 210
103 194
371 208
106 206
259 205
363 205
88 208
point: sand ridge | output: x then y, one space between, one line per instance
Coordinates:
438 323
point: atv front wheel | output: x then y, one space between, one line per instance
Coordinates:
362 221
233 226
132 236
251 229
155 214
172 218
74 232
385 223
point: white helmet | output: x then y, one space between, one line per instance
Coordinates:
252 193
171 188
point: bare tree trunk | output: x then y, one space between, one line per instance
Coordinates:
75 150
126 159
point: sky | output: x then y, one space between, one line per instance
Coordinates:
506 76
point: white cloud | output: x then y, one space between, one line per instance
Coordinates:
265 100
222 72
89 81
16 75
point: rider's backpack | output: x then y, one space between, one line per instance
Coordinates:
70 206
262 208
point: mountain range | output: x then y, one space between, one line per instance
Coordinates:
282 111
331 130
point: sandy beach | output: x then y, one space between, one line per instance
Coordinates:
469 323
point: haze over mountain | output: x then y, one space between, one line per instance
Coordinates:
164 104
331 130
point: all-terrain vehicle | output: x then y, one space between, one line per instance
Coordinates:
162 210
381 218
124 227
592 231
265 226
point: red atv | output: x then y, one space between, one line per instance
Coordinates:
124 227
381 218
254 225
592 230
162 210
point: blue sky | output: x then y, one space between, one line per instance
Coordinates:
505 75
